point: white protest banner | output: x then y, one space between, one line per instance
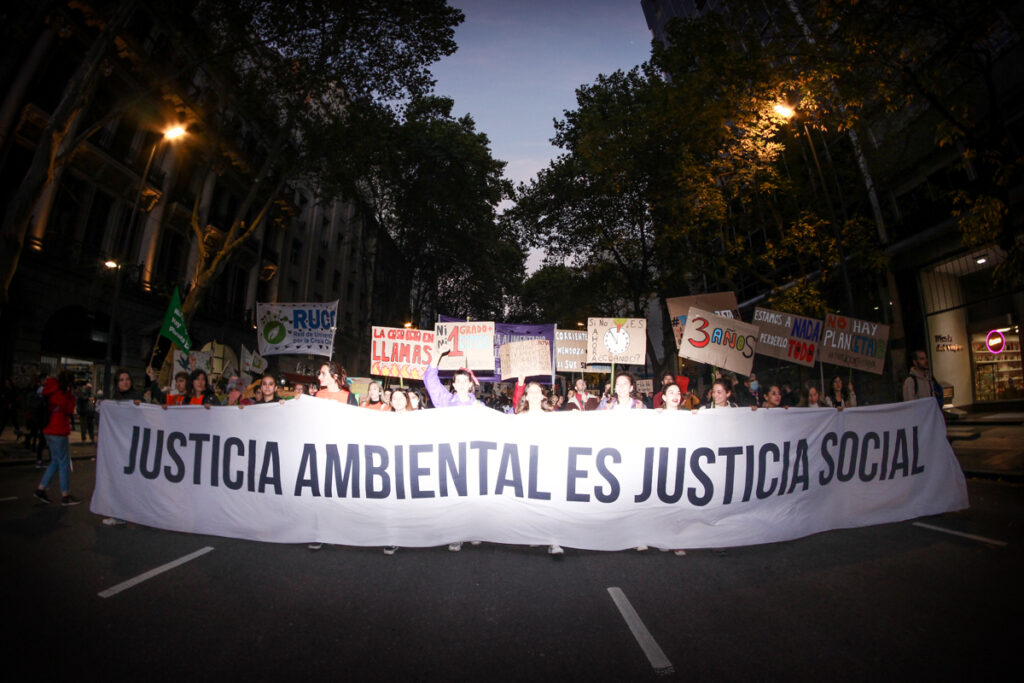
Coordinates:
858 344
470 345
787 336
400 352
617 340
720 303
527 358
316 470
571 353
297 328
722 342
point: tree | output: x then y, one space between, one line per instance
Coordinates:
297 70
436 189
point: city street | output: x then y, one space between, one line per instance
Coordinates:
900 601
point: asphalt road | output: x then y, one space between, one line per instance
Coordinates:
898 601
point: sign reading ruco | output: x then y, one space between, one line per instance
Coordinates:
859 344
398 352
469 345
722 342
526 358
787 336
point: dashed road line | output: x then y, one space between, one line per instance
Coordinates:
125 585
654 653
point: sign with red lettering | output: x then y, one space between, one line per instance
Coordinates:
719 303
723 342
469 345
398 352
787 336
859 344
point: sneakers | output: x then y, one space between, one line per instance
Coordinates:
69 500
475 542
113 521
641 548
455 547
390 549
315 546
41 495
555 549
680 552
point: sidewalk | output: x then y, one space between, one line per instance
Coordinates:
14 452
986 444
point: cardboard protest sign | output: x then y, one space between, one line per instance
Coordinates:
787 336
571 353
859 344
505 333
470 345
719 341
297 328
645 386
398 352
194 360
723 304
617 340
526 358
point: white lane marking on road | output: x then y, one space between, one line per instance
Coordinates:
8 499
125 585
990 541
654 653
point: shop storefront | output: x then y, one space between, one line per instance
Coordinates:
973 329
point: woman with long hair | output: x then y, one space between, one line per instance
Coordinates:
814 397
200 393
721 395
400 401
374 397
333 384
624 395
841 396
60 400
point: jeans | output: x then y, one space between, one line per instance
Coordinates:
60 460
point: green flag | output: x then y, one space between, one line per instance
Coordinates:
174 324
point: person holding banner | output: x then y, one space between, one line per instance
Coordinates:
624 397
842 396
332 378
201 394
671 398
267 391
772 398
721 395
400 401
813 397
667 380
373 398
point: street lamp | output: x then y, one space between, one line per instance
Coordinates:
171 134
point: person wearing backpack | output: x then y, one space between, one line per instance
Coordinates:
60 400
919 382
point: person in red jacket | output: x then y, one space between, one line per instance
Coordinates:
61 402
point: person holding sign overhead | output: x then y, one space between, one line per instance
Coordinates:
463 381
